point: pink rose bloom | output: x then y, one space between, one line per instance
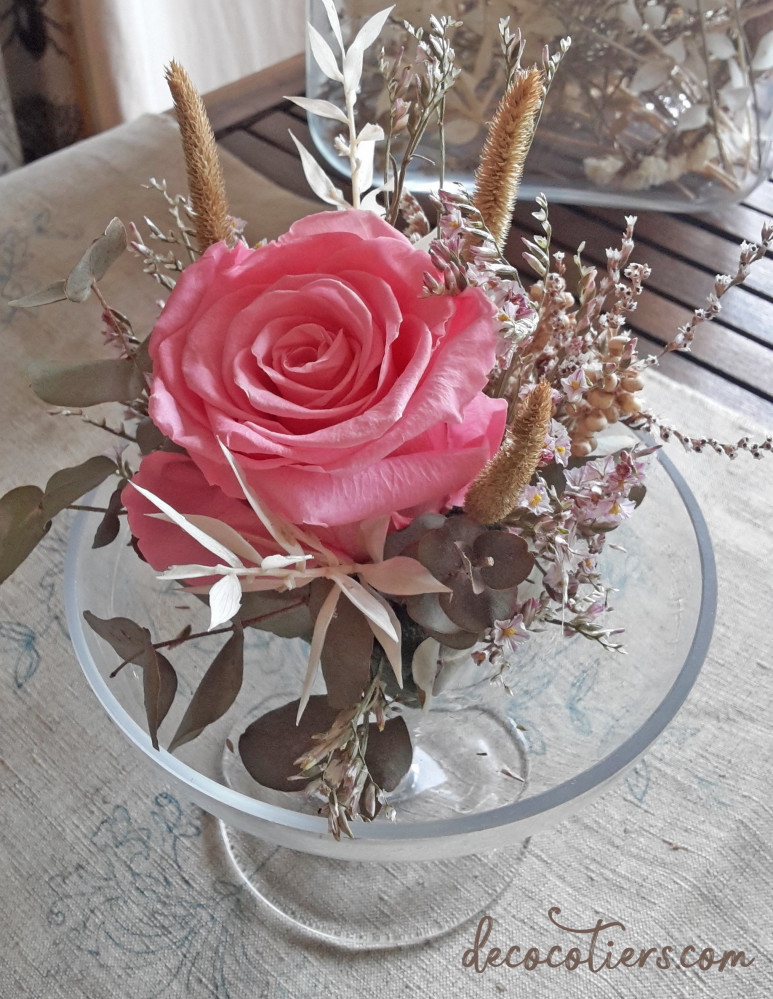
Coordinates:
342 390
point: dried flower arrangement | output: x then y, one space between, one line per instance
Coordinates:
663 96
368 436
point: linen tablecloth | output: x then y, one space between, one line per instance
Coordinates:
112 886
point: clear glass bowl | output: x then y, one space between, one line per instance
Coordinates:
656 105
489 769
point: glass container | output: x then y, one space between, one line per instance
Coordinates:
490 769
658 104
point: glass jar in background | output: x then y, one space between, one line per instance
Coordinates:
658 104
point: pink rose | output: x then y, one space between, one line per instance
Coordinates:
341 389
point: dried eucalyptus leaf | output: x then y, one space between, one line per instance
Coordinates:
270 746
159 684
94 263
69 484
149 437
424 668
389 754
88 383
142 356
129 639
216 692
22 526
43 296
110 525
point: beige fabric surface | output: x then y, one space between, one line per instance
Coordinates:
112 887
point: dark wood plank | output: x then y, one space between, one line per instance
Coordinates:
682 281
716 254
231 106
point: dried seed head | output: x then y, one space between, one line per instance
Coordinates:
496 490
504 152
205 176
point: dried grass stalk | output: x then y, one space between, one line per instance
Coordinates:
498 176
205 175
496 490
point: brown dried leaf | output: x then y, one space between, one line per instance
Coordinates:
217 691
69 484
270 746
159 684
110 525
512 561
22 526
134 644
347 649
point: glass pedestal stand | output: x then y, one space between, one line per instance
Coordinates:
490 769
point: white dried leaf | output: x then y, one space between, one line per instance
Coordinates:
196 533
654 16
225 599
371 607
648 76
366 36
317 179
323 55
335 24
324 617
424 667
695 117
325 109
676 50
366 152
371 133
392 647
720 46
763 55
735 98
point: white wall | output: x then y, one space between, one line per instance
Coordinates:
125 45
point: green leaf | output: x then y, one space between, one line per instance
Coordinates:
270 746
43 296
70 484
133 644
216 692
22 526
88 383
94 263
110 525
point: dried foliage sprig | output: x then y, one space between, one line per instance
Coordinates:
496 490
205 175
504 153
